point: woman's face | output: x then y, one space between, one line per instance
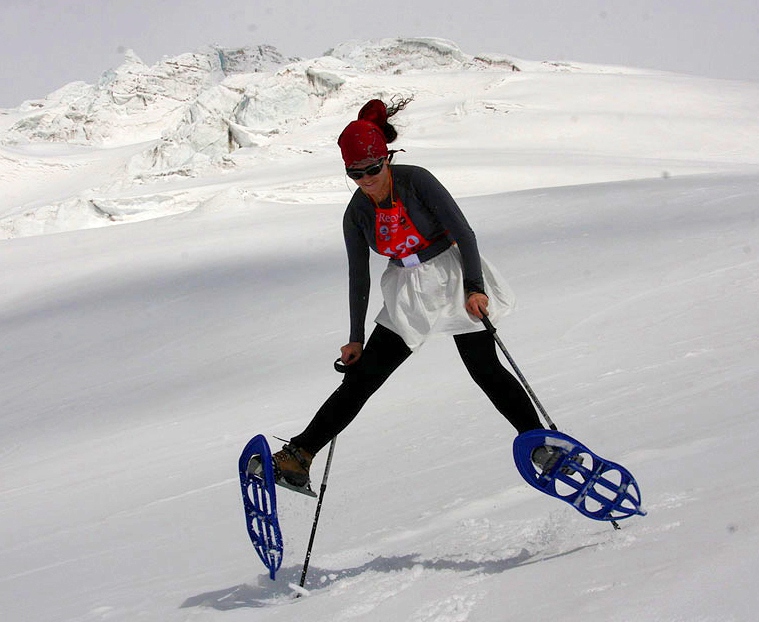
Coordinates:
376 186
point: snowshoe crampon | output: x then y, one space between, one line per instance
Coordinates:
259 499
596 487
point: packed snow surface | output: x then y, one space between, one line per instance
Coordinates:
173 282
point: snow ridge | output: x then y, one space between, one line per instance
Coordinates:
137 143
187 114
135 102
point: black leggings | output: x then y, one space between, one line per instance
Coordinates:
382 355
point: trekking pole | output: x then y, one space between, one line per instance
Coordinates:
491 329
340 367
318 511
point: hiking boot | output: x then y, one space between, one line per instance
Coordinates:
546 456
292 464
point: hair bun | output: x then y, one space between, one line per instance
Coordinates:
375 111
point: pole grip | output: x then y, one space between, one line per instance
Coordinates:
488 324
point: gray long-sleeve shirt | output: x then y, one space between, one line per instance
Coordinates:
435 214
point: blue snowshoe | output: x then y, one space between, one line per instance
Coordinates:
259 499
562 467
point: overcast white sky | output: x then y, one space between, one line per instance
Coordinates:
45 44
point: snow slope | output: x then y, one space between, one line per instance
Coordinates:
138 359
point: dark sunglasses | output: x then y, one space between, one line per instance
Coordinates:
358 173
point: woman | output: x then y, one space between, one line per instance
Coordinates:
435 282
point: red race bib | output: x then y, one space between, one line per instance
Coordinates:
397 237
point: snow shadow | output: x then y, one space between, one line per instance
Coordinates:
268 593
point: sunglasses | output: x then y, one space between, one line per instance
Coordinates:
358 173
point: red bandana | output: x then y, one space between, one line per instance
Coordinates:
363 140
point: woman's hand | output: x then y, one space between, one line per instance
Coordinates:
477 304
351 352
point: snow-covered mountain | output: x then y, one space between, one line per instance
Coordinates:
138 359
237 113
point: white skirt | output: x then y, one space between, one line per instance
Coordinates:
429 298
